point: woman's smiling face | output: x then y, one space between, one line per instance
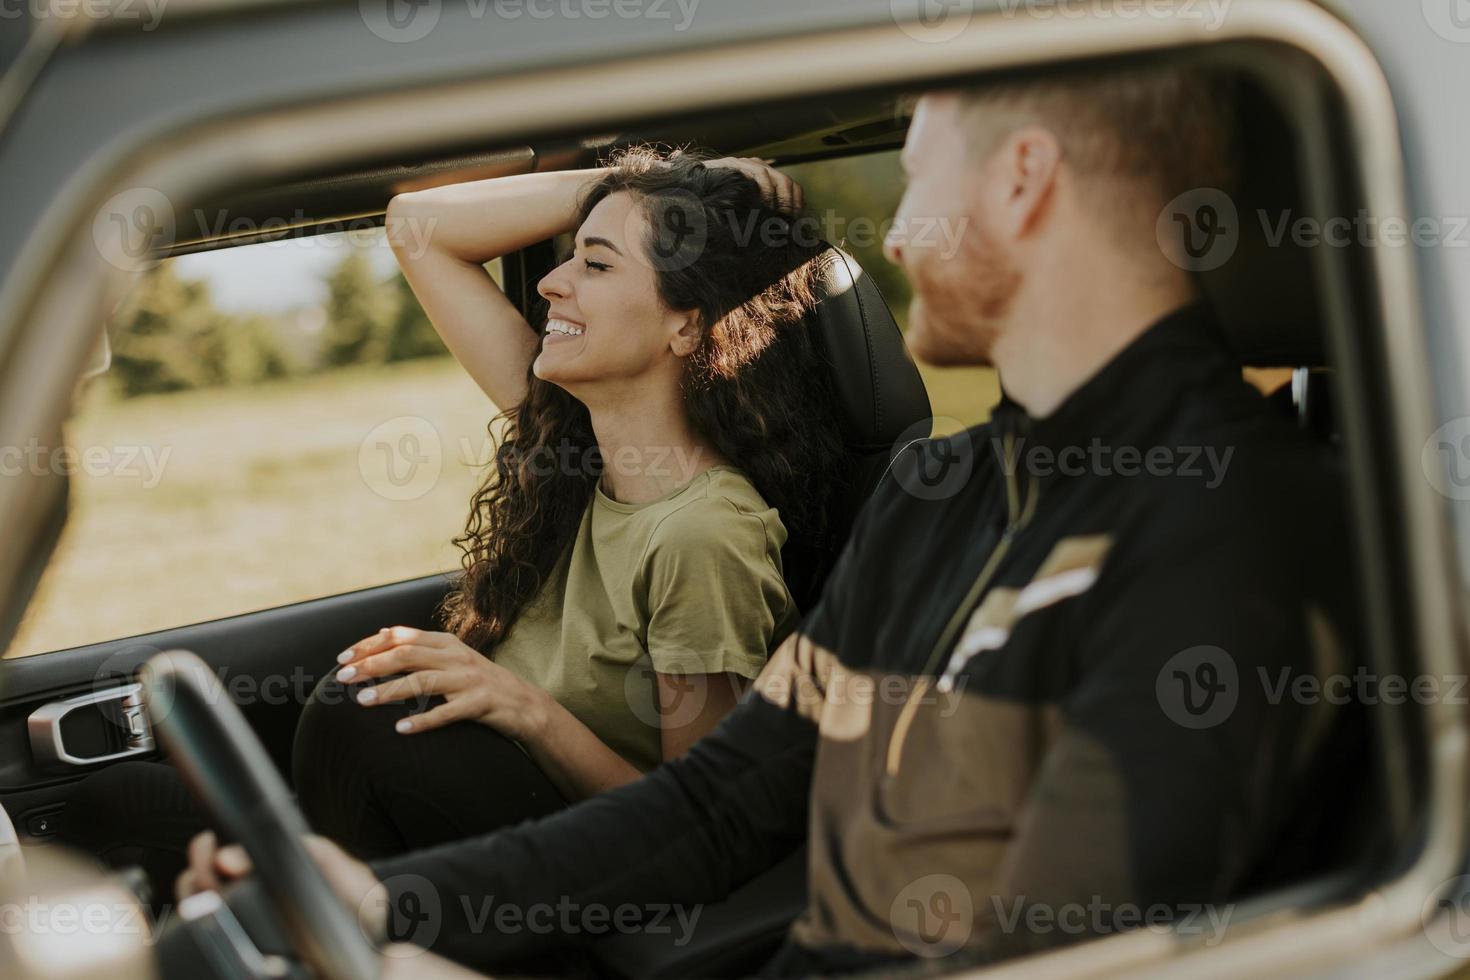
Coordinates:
606 321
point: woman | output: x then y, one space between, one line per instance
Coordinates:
664 429
623 569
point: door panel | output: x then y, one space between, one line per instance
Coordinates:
268 661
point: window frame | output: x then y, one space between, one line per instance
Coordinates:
563 99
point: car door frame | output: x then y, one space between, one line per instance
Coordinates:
570 96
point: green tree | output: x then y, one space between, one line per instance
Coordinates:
853 200
412 335
361 314
251 351
165 335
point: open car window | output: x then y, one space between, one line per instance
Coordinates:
279 422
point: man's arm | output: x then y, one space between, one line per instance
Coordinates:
686 834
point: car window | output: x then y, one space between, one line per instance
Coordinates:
279 422
852 200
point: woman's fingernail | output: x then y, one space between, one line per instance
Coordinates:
346 673
404 726
367 695
344 656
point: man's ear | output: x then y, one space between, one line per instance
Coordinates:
1030 162
686 339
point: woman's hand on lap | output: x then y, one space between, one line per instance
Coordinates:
422 663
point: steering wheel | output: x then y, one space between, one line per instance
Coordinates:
226 766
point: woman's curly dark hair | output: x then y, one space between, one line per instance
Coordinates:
756 388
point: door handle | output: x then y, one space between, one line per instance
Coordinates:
120 706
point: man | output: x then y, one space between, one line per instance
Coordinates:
1033 689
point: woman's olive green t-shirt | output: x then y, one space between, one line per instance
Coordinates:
690 583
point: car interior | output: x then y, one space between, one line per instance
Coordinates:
67 713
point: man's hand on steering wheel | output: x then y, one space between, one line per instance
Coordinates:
212 866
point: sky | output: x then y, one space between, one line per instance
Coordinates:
274 277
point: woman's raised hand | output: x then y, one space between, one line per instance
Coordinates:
780 191
421 663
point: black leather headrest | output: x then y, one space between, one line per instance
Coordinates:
1265 294
878 389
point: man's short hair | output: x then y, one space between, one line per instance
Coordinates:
1167 127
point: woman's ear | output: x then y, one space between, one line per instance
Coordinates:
686 339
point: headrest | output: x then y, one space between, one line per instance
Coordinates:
1265 293
877 387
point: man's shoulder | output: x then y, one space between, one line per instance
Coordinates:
1252 481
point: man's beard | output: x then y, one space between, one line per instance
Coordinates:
960 304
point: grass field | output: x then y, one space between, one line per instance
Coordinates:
231 500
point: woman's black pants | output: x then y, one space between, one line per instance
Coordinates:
375 792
